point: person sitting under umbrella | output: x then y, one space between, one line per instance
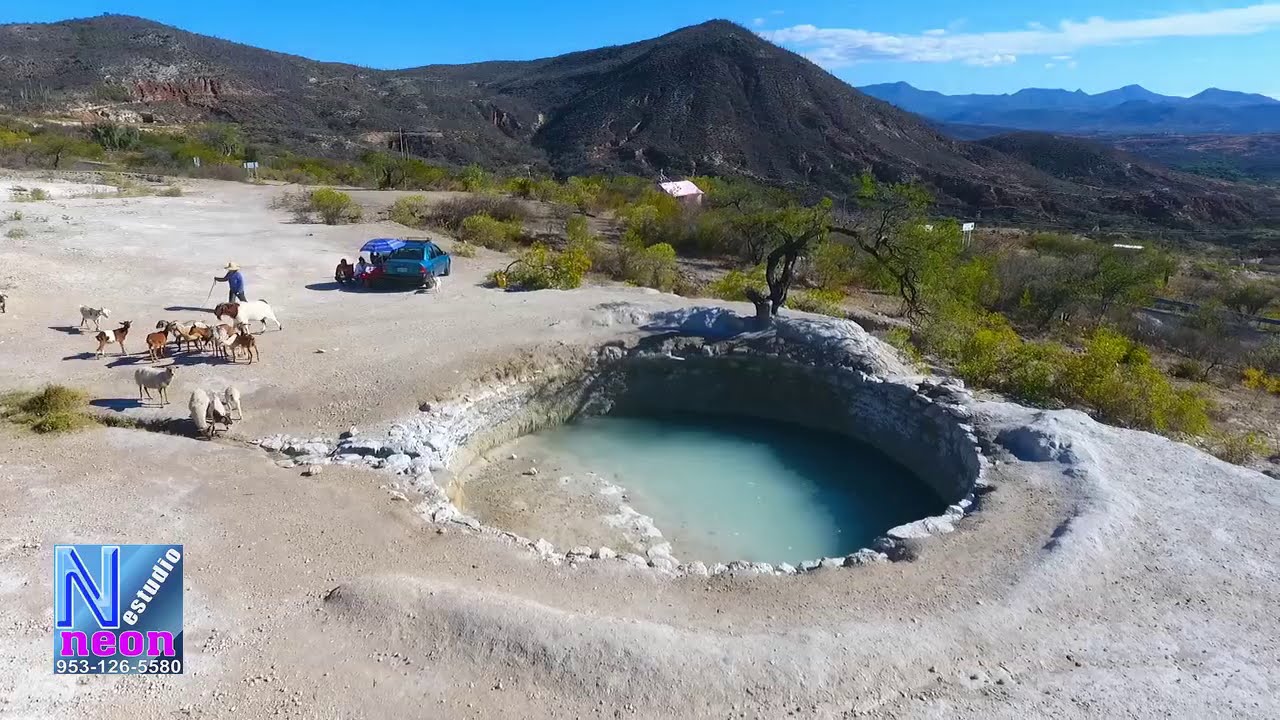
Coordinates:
235 283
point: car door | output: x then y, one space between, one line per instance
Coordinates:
435 259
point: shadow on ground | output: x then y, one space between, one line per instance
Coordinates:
117 404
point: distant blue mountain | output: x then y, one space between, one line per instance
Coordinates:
1128 110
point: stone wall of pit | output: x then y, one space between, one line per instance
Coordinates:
921 433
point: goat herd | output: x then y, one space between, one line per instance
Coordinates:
226 339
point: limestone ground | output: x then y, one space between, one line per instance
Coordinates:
1128 577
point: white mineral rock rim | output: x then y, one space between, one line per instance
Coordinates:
922 422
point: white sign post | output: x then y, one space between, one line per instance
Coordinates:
967 229
252 167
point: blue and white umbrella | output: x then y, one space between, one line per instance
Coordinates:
382 246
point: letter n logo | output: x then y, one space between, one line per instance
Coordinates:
71 575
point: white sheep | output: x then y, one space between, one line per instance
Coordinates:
154 378
95 314
232 397
199 406
248 312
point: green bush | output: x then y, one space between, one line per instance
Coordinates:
55 408
15 233
171 191
451 213
653 266
410 211
1240 448
486 231
1112 375
823 302
463 250
540 268
832 265
734 284
334 207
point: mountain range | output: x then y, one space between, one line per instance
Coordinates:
713 98
1128 110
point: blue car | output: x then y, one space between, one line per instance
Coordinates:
415 262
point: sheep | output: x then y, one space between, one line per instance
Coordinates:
156 342
199 407
232 397
218 413
248 312
248 342
95 314
152 378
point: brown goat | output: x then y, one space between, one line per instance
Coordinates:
121 333
156 342
248 342
104 339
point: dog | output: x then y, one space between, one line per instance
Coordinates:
96 315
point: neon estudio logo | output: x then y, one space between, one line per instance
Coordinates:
117 609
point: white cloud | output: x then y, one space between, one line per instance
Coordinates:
938 32
758 22
1061 58
1049 66
837 47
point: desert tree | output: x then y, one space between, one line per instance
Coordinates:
790 234
888 224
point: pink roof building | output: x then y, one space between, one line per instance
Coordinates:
683 190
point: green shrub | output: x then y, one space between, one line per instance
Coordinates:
55 408
734 284
1240 448
334 207
171 191
451 213
823 302
463 250
411 211
900 338
653 266
1112 375
540 268
832 265
486 231
16 233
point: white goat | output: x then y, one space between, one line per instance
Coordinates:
93 314
248 312
199 406
154 378
232 397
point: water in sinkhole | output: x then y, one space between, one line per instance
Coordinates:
725 489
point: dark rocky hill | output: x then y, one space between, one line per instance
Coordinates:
714 98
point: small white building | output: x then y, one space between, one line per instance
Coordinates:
683 190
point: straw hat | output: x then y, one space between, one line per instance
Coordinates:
232 266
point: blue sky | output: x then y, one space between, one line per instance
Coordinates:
1172 46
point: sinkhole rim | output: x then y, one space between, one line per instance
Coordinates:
839 372
897 416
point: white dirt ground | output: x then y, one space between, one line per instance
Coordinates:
1133 578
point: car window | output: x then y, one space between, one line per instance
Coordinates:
408 253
